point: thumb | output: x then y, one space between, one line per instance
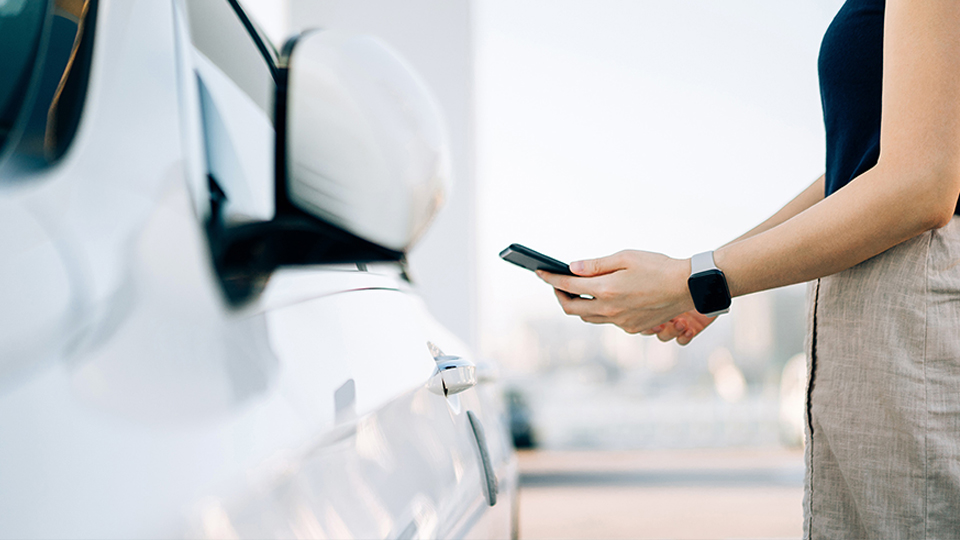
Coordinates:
596 267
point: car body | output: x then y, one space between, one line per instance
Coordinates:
143 392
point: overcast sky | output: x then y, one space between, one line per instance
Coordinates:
669 126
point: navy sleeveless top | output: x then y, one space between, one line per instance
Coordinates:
851 76
851 80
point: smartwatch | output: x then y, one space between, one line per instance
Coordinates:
708 285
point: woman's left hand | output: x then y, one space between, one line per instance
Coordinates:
683 327
635 290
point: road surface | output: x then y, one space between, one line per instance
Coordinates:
690 494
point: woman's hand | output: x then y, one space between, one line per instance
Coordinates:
683 327
635 290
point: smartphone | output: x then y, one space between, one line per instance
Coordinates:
534 260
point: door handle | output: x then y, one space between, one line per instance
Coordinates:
490 484
453 374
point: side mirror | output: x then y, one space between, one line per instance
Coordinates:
366 148
362 164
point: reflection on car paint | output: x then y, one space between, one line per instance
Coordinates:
335 488
135 401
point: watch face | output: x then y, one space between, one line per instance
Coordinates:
709 291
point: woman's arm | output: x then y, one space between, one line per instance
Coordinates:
913 188
807 198
687 325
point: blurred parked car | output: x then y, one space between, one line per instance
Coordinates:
206 325
521 420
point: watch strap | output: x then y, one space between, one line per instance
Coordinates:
701 262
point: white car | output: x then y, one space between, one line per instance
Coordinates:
206 328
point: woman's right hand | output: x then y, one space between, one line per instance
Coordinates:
683 327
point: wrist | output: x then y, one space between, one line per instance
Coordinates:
681 291
708 285
720 256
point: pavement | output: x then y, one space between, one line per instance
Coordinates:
689 494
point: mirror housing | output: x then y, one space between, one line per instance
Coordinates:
366 148
362 164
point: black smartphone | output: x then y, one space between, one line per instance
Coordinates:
534 260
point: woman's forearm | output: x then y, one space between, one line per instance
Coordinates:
807 198
875 212
639 290
912 189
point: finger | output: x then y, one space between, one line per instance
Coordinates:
574 305
596 267
655 330
681 324
562 296
669 332
689 333
570 284
686 337
688 328
698 320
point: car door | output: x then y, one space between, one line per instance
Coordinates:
160 409
359 338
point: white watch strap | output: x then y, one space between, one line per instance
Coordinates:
701 262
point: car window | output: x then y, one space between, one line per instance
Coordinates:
251 12
269 18
224 34
47 48
21 24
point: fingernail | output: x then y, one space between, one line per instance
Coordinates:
576 267
688 334
679 326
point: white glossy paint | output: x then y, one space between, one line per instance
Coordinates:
134 402
366 144
437 39
36 321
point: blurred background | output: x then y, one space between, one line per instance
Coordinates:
583 127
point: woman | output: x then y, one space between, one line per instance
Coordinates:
879 236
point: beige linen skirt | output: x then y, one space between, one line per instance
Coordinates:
883 396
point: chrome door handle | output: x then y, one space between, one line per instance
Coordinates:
453 374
